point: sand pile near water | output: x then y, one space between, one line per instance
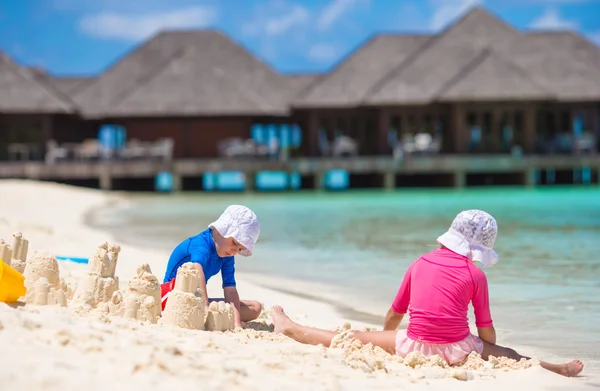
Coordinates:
98 293
371 359
42 280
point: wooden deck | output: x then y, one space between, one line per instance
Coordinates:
458 165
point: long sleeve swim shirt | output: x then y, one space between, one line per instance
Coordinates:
436 290
201 249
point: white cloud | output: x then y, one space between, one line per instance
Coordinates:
323 52
448 10
134 27
297 16
550 19
333 12
276 19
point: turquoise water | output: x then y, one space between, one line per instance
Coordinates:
355 246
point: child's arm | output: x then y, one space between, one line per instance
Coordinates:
487 334
400 304
481 307
392 320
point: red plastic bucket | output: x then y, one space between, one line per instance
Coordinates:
164 292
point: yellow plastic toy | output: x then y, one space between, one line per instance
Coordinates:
12 284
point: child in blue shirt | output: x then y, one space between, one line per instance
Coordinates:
213 250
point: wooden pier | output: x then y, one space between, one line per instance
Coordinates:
450 170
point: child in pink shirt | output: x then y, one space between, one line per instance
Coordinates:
437 289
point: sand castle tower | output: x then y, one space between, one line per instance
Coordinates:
220 317
15 256
20 245
99 284
6 253
185 304
142 299
42 280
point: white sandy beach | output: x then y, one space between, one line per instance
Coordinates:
51 348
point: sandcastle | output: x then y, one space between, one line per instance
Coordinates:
15 255
96 289
185 304
42 280
20 246
5 252
220 317
141 301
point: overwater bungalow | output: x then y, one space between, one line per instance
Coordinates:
479 88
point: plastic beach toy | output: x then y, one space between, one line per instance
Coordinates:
12 284
72 259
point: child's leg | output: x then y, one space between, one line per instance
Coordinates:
312 336
569 369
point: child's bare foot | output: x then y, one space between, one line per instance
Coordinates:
280 320
570 369
573 368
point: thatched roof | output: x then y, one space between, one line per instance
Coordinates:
24 92
348 83
299 83
188 73
479 57
579 47
450 53
70 85
567 67
473 83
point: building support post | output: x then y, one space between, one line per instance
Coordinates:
459 129
250 181
383 127
529 131
460 179
319 180
106 182
311 134
177 181
530 177
389 181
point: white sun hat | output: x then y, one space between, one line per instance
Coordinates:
472 234
240 223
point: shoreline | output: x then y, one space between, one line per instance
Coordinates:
348 313
59 351
274 284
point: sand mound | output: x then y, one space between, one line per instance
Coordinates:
142 298
371 359
5 252
185 304
42 280
96 288
220 317
20 245
15 255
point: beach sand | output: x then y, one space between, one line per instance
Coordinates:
48 347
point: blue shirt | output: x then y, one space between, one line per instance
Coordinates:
201 249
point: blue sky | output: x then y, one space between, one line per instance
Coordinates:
72 37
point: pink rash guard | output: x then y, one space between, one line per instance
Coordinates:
437 289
